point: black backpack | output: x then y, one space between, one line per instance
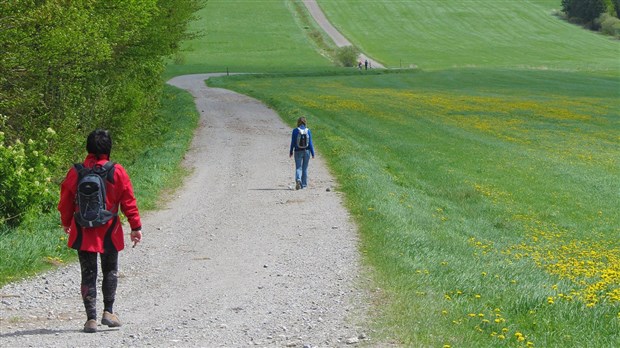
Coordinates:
91 195
302 138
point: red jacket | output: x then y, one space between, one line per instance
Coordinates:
120 192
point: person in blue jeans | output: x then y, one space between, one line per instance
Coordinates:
302 148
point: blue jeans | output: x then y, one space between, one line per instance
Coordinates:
301 166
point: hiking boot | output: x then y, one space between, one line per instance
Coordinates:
90 326
297 185
111 320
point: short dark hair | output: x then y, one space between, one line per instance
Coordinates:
99 142
300 121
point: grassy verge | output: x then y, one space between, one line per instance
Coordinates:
39 243
487 199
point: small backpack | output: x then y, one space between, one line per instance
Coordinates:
302 138
91 195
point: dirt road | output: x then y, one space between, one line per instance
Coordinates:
235 259
339 39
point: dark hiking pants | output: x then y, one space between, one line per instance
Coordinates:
109 269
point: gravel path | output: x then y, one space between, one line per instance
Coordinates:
236 258
339 39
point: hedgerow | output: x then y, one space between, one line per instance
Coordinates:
68 68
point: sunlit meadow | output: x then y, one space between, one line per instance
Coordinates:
490 210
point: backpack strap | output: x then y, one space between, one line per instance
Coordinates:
106 171
81 170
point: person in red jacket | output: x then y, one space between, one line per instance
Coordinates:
106 240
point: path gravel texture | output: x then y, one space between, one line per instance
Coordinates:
235 259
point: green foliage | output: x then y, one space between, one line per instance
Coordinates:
612 7
157 168
609 25
584 11
347 56
80 65
26 180
39 242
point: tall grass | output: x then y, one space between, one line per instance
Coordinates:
487 199
39 243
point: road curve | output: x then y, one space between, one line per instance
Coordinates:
339 39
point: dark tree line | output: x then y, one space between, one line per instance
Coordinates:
588 11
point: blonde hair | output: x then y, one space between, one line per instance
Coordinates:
300 121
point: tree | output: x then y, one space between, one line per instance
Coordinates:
68 67
584 11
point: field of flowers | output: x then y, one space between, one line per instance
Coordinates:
487 201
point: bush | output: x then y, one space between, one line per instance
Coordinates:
26 183
609 25
347 56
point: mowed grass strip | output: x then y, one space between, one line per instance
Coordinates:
488 209
247 36
437 34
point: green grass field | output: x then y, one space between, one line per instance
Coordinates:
437 34
485 183
488 210
248 36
